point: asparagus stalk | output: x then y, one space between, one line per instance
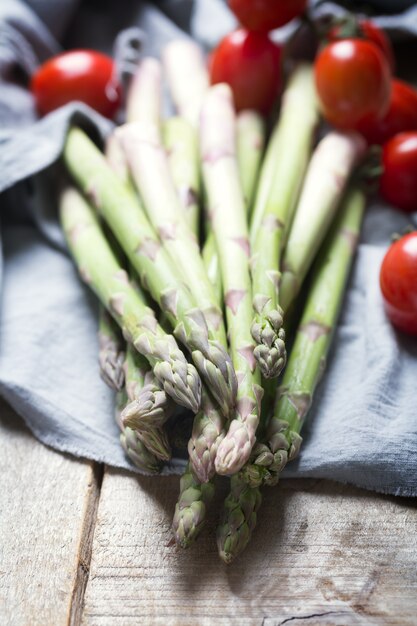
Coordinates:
196 484
207 434
156 270
327 175
238 519
149 406
211 262
190 510
111 353
101 271
187 76
250 139
228 220
134 448
308 355
181 145
146 80
250 142
292 140
117 161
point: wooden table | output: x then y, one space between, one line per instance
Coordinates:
83 544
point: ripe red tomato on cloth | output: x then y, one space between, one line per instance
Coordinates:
398 182
353 82
251 64
84 75
401 115
398 280
265 15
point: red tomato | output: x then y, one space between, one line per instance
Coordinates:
398 280
265 15
368 30
251 64
398 184
401 115
353 82
83 75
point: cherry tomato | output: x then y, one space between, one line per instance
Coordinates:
398 183
251 64
398 280
401 115
265 15
369 31
83 75
353 82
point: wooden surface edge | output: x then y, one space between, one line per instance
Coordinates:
89 518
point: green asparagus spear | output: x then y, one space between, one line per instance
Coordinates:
147 79
149 406
238 519
157 272
328 172
308 355
284 174
111 352
188 79
181 145
134 448
101 271
207 434
228 220
250 141
190 510
211 262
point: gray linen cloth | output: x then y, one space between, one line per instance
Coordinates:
362 428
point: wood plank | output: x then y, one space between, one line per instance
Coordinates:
48 506
323 553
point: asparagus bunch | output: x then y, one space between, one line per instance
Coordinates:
279 186
149 195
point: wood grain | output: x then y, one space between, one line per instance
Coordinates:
47 510
322 554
